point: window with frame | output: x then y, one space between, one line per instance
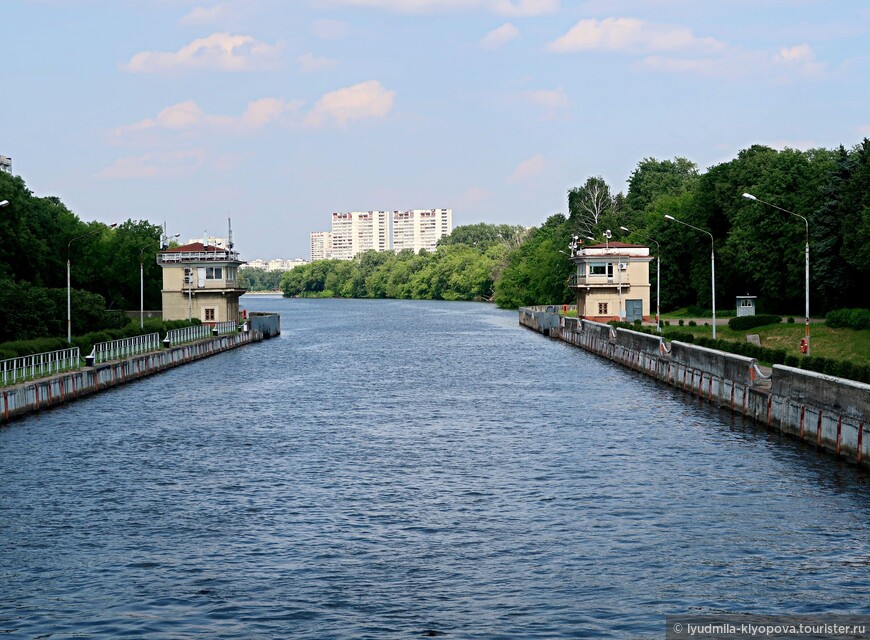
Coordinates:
209 315
597 268
602 308
214 273
188 275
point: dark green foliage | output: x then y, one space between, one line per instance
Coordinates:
850 318
744 323
38 236
792 361
692 323
790 320
455 271
256 279
681 336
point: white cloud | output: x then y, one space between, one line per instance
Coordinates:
631 35
364 100
188 115
220 51
503 7
529 168
204 15
499 37
800 57
309 62
170 164
864 130
549 98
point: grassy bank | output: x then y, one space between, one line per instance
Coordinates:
837 344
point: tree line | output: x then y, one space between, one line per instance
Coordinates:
465 266
759 250
38 235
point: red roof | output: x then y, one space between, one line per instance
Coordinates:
194 247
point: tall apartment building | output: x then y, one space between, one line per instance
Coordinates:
6 164
358 231
321 245
418 229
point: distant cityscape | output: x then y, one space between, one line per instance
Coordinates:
355 232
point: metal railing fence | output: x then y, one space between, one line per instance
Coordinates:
188 334
38 365
226 327
115 349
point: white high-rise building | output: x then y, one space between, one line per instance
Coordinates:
6 164
321 245
358 231
418 229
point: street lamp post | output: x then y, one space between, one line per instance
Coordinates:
749 196
68 288
658 276
712 264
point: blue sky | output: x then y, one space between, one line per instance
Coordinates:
278 112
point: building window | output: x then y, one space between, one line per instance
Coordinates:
214 273
602 308
597 269
209 315
188 275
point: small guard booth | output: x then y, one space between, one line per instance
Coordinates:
746 305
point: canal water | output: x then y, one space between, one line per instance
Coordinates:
396 469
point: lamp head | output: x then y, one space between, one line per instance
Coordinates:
626 229
668 217
4 203
749 196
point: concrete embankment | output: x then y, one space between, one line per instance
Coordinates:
830 413
24 399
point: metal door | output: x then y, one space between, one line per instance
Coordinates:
633 310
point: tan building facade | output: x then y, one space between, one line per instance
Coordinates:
612 282
200 281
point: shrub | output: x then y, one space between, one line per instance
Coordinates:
790 320
682 336
849 318
682 322
744 323
692 323
667 323
792 361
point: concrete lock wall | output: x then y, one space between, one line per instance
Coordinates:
268 324
23 399
728 366
597 329
539 319
637 341
830 413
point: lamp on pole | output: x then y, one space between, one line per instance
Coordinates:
658 277
4 203
749 196
68 288
712 264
